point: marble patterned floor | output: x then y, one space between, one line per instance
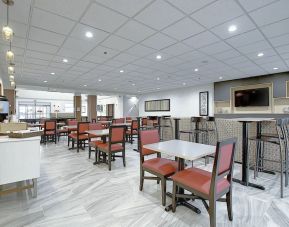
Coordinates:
73 192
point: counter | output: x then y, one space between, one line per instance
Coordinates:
19 161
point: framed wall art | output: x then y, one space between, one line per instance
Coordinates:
204 103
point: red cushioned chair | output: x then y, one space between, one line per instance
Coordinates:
50 130
133 131
118 121
94 143
80 136
160 167
71 122
210 186
115 144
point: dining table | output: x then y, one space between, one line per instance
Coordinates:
182 150
245 151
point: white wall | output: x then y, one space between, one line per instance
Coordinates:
130 106
184 102
116 100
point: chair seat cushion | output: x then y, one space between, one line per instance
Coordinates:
147 152
199 180
129 132
81 137
162 166
114 147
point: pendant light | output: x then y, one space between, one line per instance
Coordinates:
10 55
7 32
11 69
11 78
12 84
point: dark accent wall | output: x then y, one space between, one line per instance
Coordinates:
222 89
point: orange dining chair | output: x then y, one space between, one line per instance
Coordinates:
209 186
115 144
132 131
160 167
50 130
80 136
118 121
94 143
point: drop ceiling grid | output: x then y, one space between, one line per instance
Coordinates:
124 59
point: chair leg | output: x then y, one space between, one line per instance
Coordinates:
89 152
141 180
212 213
68 140
174 202
229 205
123 157
281 180
164 190
109 161
55 138
77 146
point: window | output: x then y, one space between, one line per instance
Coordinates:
68 108
33 110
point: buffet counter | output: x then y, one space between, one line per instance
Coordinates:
19 161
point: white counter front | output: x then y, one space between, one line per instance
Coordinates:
19 159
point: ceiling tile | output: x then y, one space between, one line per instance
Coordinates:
283 49
127 7
245 38
250 5
279 28
135 31
103 18
243 24
39 55
227 55
255 47
67 53
123 57
218 13
183 29
77 44
51 22
41 35
201 40
117 43
158 41
280 40
156 15
18 13
265 16
97 54
140 50
65 8
176 49
215 48
41 47
189 6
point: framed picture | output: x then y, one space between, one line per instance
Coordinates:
204 103
157 105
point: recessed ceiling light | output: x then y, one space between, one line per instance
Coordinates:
275 68
52 73
184 84
196 69
232 28
99 80
138 91
220 77
89 34
84 85
121 71
158 78
158 88
133 84
260 54
65 60
159 57
45 81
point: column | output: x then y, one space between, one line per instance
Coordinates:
77 107
11 96
91 107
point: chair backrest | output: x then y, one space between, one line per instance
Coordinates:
148 137
50 125
118 121
223 163
82 127
71 122
128 118
134 125
144 121
116 134
282 130
95 126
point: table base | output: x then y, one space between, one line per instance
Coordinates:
182 202
249 184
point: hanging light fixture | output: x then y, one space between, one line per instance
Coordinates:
10 55
11 69
12 84
11 78
7 32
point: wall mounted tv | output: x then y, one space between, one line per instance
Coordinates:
252 97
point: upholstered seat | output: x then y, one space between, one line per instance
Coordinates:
95 143
114 147
146 152
162 166
80 137
199 180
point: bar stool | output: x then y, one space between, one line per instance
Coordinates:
165 122
281 140
207 129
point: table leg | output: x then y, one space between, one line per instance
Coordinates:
182 201
34 187
104 158
245 160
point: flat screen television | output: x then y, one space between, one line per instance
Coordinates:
252 97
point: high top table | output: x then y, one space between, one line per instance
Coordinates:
182 150
245 157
